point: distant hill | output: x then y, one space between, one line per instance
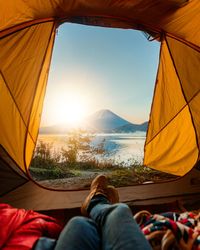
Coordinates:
102 121
54 129
131 128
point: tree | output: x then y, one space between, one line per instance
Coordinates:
80 148
43 157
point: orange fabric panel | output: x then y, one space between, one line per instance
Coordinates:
168 99
36 112
174 149
194 109
175 17
21 59
183 23
12 128
24 61
187 64
171 140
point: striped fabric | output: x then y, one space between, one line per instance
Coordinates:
171 230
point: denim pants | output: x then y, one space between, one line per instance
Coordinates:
109 227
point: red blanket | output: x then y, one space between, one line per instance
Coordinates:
20 228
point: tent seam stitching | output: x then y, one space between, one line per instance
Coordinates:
16 105
187 104
28 123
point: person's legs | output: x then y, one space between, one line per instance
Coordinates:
79 234
118 228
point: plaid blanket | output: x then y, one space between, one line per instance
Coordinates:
171 231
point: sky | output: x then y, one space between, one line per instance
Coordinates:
96 68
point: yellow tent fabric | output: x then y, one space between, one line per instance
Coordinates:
27 33
171 140
173 135
23 77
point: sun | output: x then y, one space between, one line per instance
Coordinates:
68 109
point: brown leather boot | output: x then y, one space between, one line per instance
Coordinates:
112 194
100 186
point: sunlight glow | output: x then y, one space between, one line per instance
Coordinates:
68 109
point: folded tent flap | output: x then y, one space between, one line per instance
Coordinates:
172 143
24 64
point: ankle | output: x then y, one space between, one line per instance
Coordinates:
97 199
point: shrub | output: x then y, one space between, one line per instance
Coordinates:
48 174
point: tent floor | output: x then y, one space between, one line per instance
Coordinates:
177 195
179 205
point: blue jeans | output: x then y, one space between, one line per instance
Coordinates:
109 227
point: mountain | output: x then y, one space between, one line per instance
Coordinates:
105 121
102 121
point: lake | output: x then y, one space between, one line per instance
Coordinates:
121 147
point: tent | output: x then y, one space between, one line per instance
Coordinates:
27 34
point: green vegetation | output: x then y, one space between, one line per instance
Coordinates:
80 160
136 174
46 165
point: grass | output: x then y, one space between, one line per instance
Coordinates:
137 175
67 164
117 175
50 174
